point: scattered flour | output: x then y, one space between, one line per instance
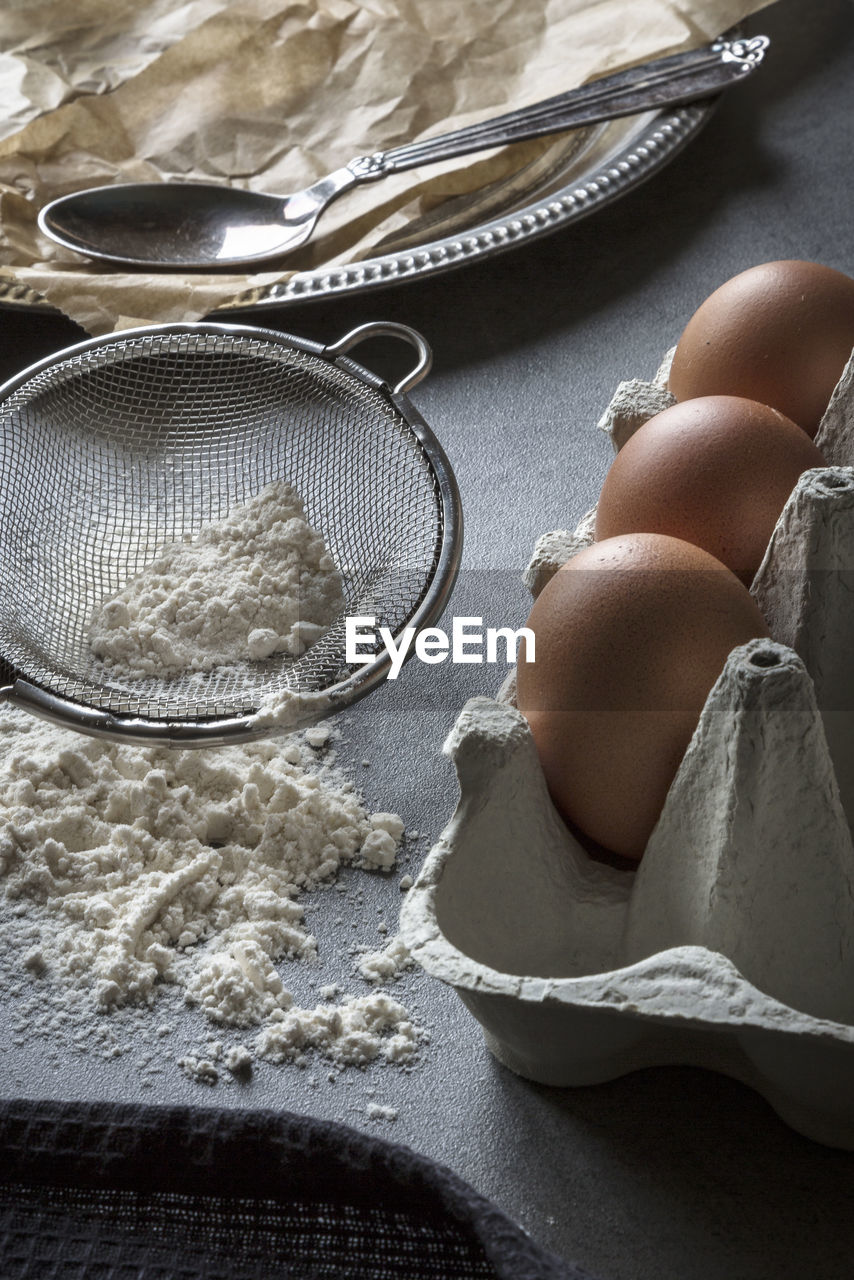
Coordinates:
238 1060
317 736
355 1032
385 965
199 1069
131 872
381 844
377 1112
289 707
257 583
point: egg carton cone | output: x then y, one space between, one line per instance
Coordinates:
731 945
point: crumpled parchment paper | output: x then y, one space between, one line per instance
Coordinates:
273 94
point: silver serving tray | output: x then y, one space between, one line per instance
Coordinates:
577 174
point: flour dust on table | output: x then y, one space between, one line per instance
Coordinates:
131 877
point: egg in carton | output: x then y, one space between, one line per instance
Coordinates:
731 945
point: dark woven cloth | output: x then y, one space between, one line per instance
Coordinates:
93 1191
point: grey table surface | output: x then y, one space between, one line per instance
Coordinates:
669 1172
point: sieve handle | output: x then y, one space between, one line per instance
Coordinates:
388 329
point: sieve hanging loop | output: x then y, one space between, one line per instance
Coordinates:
387 329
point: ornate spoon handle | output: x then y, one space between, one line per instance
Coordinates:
671 81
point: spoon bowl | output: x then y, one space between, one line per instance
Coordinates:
183 225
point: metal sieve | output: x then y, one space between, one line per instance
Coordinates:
114 447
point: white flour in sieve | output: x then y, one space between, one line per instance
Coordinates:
129 873
259 582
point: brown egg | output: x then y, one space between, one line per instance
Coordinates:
715 471
779 333
630 636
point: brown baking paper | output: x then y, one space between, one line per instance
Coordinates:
271 96
51 53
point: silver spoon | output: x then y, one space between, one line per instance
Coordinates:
201 225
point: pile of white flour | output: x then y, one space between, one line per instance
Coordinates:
259 582
130 872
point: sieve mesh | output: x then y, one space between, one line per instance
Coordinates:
115 450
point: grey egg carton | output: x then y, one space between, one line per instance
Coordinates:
731 946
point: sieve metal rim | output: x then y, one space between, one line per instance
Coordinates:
17 690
